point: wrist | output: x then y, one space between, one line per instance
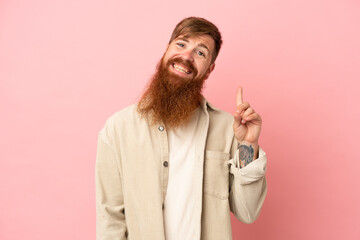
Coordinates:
248 143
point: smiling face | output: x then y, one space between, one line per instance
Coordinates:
175 89
190 58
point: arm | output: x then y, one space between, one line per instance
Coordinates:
247 186
110 211
247 170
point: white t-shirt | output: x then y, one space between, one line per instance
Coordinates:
179 199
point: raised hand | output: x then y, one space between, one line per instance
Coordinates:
247 125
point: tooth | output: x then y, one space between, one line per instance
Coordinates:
181 69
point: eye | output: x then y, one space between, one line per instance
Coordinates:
201 53
180 44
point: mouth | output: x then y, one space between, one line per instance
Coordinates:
181 68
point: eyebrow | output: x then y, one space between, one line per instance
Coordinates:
199 45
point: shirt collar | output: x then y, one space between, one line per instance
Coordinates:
206 104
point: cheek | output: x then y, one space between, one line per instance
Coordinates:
170 52
202 68
167 56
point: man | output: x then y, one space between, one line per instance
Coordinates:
173 166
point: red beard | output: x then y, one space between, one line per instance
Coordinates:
170 98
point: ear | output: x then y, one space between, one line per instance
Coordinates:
211 68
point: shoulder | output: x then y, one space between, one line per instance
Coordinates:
219 115
117 121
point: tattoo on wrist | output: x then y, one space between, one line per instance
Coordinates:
246 154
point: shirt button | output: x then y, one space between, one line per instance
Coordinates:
165 163
161 128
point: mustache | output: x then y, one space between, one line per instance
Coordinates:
186 63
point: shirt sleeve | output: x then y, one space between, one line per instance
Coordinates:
110 211
247 187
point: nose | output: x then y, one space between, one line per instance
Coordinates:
188 55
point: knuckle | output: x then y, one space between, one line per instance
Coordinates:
244 105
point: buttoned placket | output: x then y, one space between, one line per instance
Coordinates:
164 160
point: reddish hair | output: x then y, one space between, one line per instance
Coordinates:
194 26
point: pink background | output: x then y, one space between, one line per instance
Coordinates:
66 66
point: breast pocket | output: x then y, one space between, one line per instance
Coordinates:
216 174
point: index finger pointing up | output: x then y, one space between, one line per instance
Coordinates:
239 96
